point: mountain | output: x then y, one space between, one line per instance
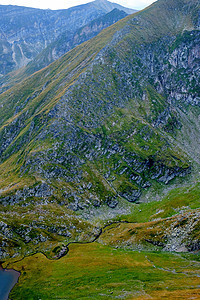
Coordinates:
65 42
25 32
68 41
108 6
113 122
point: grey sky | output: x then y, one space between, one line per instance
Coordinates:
59 4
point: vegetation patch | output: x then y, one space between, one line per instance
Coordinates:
101 272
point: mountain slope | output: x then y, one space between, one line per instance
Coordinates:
100 127
25 32
65 42
108 6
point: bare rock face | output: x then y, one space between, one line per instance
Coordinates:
180 235
25 32
41 191
111 118
70 39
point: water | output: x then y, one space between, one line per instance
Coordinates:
8 278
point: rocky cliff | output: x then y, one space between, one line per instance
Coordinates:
25 32
100 127
68 40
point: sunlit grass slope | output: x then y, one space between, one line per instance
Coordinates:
94 271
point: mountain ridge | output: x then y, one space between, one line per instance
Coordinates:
21 39
67 41
104 124
110 6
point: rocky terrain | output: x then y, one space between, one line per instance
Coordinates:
85 140
25 32
69 40
99 151
175 234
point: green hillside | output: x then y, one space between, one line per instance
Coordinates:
108 132
99 272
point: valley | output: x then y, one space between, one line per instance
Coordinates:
99 157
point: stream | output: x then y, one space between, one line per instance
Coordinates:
8 278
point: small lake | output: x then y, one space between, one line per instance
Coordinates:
8 279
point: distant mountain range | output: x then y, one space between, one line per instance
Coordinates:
25 32
67 41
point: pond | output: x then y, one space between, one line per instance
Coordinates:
8 279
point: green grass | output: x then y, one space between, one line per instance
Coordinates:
177 199
95 271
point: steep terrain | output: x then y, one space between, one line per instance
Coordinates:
109 6
25 32
65 42
110 123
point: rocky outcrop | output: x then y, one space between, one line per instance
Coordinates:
29 195
182 235
179 233
68 40
102 124
40 227
25 32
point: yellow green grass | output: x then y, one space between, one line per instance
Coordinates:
151 235
184 198
94 271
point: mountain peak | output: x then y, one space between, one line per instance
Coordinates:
108 6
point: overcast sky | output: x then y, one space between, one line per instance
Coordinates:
58 4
